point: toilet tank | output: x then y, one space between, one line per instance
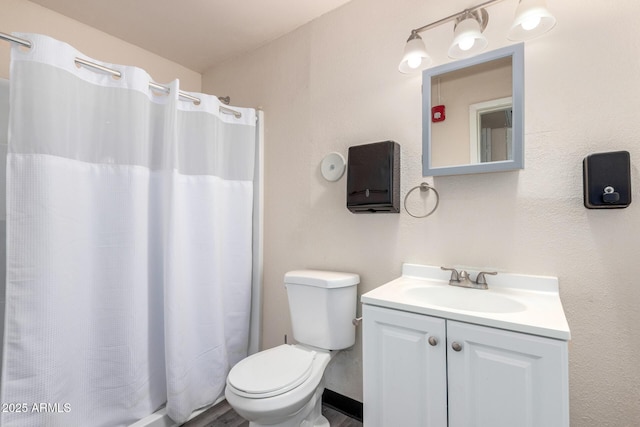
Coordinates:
322 306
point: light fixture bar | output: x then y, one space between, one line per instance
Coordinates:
454 16
532 19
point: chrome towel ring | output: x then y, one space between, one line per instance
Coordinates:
423 187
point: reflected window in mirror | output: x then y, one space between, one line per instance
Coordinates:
483 127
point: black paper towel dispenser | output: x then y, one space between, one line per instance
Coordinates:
373 178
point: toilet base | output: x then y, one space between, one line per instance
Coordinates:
320 422
309 416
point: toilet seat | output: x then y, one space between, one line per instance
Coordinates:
271 372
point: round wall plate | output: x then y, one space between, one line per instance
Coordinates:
333 166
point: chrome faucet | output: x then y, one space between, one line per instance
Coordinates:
462 279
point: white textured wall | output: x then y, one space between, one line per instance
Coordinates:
27 17
334 83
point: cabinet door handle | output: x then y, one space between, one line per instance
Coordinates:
433 341
456 346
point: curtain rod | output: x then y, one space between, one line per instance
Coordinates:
118 74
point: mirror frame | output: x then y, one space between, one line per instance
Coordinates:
516 52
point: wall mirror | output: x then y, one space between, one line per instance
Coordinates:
477 121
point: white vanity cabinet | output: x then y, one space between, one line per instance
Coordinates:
428 371
404 377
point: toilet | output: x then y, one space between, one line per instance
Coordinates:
283 386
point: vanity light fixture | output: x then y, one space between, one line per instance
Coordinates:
415 54
532 19
467 35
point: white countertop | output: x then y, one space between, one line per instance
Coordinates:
539 310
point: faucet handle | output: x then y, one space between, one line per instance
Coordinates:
455 276
481 280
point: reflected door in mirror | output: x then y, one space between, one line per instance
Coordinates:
491 136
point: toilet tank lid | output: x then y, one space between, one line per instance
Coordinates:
321 278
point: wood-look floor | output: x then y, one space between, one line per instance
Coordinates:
223 415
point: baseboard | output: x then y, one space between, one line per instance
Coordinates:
343 404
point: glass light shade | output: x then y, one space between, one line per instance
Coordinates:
467 39
415 55
532 19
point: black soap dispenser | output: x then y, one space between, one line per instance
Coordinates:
373 178
607 180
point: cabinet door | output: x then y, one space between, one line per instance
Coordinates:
404 374
501 378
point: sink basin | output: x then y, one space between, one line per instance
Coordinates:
514 302
451 297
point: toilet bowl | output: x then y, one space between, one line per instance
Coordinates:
283 386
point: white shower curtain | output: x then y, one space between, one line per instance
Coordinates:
129 233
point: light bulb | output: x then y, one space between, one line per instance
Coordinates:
466 43
531 23
414 61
